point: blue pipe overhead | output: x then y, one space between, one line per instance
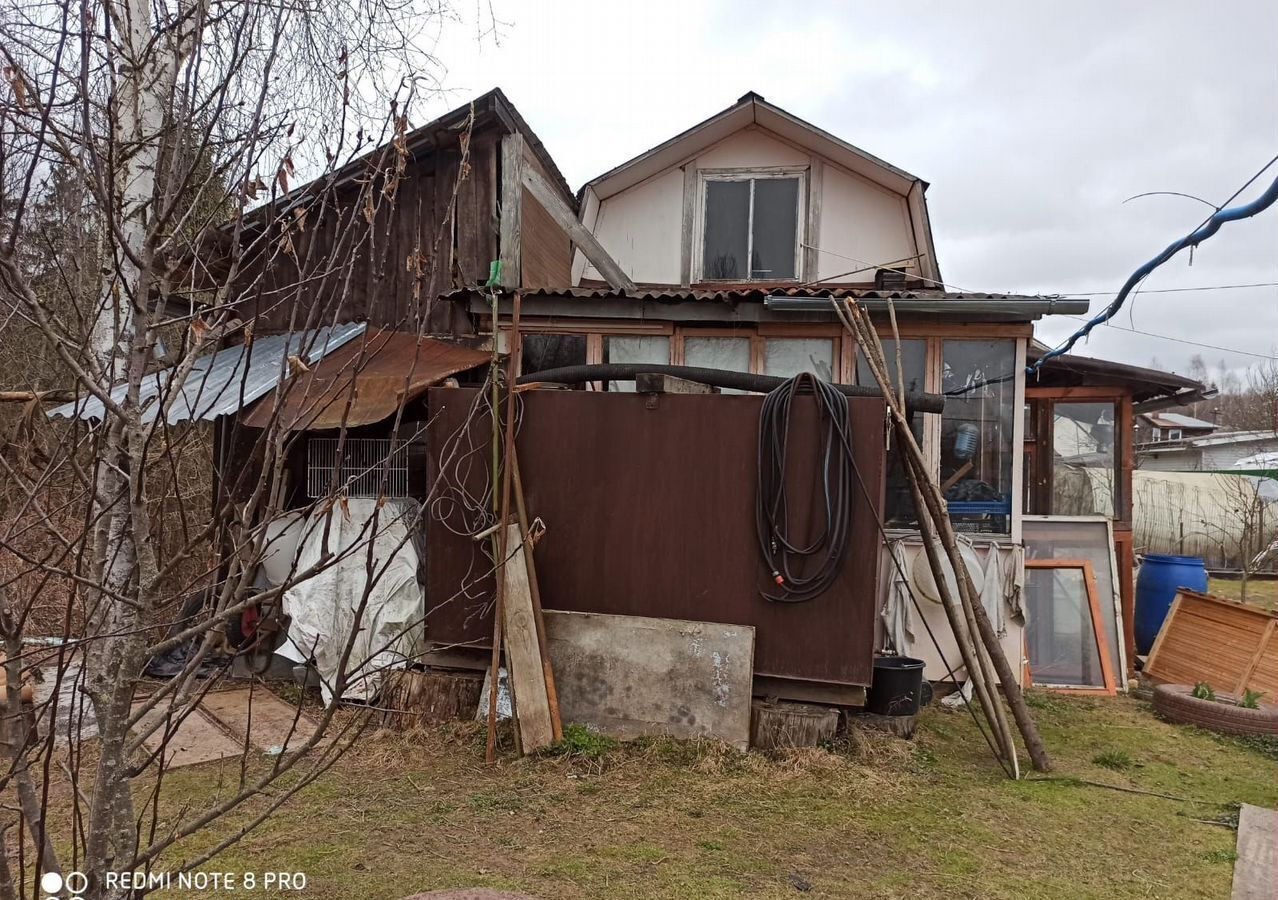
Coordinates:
1210 227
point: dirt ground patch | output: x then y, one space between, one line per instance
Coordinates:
874 817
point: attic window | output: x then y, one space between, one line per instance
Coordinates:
751 227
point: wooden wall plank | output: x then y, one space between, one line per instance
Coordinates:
546 255
523 650
1256 866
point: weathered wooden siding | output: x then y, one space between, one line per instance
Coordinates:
546 250
381 252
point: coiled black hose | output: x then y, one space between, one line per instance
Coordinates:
803 571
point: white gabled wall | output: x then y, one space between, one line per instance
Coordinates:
863 222
642 226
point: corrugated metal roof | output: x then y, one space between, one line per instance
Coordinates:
388 368
224 381
748 293
1176 420
1233 437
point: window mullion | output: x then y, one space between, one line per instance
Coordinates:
749 260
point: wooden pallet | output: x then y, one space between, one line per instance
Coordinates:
1229 645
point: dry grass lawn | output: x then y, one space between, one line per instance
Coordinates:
878 817
1260 592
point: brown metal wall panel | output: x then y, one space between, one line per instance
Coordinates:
649 510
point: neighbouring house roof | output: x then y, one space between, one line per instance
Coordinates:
1266 460
1176 420
755 304
1194 445
1234 437
224 381
386 369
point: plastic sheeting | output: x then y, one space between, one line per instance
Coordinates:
324 609
1222 517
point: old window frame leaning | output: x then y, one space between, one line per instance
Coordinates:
698 237
1110 685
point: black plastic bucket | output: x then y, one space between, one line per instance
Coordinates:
896 687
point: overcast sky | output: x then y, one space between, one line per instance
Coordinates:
1032 122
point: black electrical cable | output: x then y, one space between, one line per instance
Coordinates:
803 571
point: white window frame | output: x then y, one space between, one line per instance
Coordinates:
705 176
1174 434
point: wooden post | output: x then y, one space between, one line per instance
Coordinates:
854 319
503 508
512 212
978 666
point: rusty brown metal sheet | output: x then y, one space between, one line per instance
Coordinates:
364 381
648 503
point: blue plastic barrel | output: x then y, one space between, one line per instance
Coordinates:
1156 585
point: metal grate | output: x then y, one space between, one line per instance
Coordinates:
370 467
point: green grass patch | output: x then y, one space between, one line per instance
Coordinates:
580 741
1118 760
928 819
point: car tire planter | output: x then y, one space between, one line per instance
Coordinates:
1177 703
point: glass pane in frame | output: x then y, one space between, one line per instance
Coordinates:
787 357
645 348
1084 469
1060 634
727 230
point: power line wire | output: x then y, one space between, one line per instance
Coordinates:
1209 227
1168 337
1180 290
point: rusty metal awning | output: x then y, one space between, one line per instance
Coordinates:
364 382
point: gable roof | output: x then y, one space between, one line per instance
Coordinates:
751 109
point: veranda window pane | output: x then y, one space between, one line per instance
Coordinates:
635 349
776 228
729 353
899 504
551 351
979 383
727 229
787 357
1084 474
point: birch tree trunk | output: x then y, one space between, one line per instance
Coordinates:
146 64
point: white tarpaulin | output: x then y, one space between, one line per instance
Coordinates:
325 607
